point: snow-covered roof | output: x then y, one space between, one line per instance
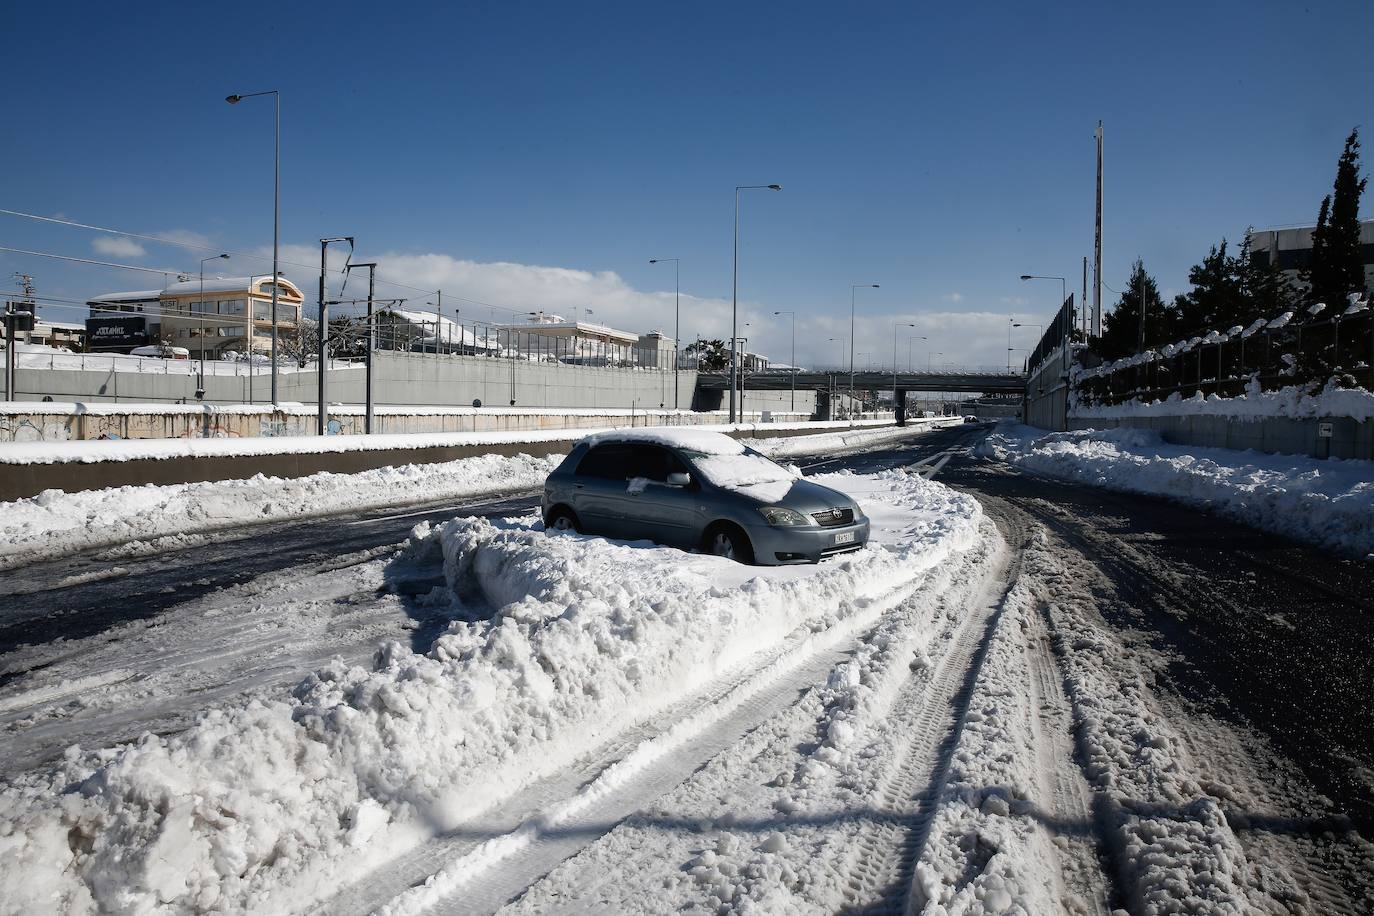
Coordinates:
577 327
696 440
229 285
141 295
449 331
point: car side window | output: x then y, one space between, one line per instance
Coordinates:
610 462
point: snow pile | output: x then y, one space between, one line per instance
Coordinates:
270 804
57 521
1295 401
1323 501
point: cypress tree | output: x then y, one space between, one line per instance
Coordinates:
1336 268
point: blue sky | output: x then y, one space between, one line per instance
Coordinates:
534 155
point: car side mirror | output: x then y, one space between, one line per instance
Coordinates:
679 479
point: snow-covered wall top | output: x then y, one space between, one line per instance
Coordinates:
1292 402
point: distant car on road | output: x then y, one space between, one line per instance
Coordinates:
696 489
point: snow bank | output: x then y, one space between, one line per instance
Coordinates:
271 804
1294 401
1324 501
55 521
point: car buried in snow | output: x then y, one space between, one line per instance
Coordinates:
699 490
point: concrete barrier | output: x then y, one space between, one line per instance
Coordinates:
19 480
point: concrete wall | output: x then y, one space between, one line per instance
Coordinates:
1047 395
73 422
400 378
1278 435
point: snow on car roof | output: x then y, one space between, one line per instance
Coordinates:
697 440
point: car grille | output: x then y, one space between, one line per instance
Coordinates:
833 517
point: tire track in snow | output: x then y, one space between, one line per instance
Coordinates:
931 711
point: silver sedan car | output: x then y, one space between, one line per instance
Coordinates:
699 490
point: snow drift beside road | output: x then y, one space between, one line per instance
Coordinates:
272 803
1324 501
55 521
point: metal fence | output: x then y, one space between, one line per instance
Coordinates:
1284 351
451 338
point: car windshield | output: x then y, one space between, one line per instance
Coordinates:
746 469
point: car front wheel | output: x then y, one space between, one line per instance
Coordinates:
561 519
730 543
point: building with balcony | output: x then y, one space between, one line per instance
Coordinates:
223 314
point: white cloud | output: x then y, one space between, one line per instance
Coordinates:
117 246
504 291
1014 300
953 297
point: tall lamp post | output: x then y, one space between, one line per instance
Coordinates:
853 291
734 290
909 342
677 319
276 218
200 310
792 360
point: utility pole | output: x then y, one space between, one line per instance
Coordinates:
371 342
322 360
1097 243
1084 300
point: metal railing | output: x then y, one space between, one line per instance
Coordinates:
1291 352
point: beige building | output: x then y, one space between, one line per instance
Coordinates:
232 313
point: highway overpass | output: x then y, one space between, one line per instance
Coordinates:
874 380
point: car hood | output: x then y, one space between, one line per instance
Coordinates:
799 494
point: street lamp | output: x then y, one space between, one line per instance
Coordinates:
1063 288
200 309
677 319
276 221
734 291
853 289
793 358
908 350
930 357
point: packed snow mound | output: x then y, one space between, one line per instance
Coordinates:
1323 501
272 803
56 521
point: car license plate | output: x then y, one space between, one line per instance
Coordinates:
844 537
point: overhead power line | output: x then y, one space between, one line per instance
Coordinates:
242 254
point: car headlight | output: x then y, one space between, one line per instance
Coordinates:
859 513
781 516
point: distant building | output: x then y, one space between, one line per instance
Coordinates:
578 342
56 334
429 332
223 313
1291 249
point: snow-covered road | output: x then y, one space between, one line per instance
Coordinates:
988 711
